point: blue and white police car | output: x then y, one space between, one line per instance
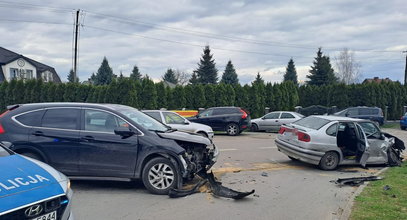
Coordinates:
32 190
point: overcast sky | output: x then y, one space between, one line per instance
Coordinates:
258 35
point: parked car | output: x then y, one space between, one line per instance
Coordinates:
273 120
106 140
30 189
174 120
329 141
403 122
371 113
233 120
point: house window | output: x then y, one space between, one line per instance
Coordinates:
14 73
47 76
29 74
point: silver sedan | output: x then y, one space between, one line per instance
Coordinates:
329 141
273 120
180 123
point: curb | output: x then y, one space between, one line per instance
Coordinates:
348 207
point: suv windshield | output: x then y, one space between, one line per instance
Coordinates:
142 119
312 122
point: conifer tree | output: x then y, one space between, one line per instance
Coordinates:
3 88
321 72
135 74
179 97
161 95
71 78
148 97
291 72
199 96
258 79
210 96
230 95
194 79
104 75
169 76
230 75
220 98
207 72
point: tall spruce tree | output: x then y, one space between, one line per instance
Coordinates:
71 77
104 75
170 76
321 72
291 72
135 74
229 76
207 72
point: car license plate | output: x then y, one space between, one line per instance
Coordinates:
48 216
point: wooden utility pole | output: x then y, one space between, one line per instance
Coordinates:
405 71
75 61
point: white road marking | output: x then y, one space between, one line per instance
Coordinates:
229 149
267 147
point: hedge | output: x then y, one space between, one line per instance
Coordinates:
255 98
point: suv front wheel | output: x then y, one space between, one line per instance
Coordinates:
159 175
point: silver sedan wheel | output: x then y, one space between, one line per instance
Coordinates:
330 160
161 176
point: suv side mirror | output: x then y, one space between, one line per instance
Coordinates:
124 132
186 122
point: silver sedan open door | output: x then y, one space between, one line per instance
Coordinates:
362 146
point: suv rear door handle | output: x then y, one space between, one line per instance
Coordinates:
87 138
38 133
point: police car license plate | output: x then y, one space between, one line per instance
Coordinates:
48 216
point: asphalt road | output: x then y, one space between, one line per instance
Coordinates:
285 189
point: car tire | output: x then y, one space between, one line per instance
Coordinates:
329 161
33 156
160 175
402 128
232 129
254 127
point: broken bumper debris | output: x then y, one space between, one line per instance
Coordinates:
216 188
356 181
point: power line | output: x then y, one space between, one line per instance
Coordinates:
31 21
184 43
223 37
22 5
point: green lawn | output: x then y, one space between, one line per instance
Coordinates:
376 203
391 125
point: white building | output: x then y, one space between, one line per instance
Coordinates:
16 66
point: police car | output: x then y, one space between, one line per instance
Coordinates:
32 190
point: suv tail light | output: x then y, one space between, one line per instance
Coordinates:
244 116
4 113
2 131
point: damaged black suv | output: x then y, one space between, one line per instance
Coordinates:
106 140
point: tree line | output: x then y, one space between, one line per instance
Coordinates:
145 94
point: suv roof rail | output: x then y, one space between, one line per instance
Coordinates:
12 107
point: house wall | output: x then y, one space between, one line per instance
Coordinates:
14 64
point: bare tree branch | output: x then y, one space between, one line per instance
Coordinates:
348 68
